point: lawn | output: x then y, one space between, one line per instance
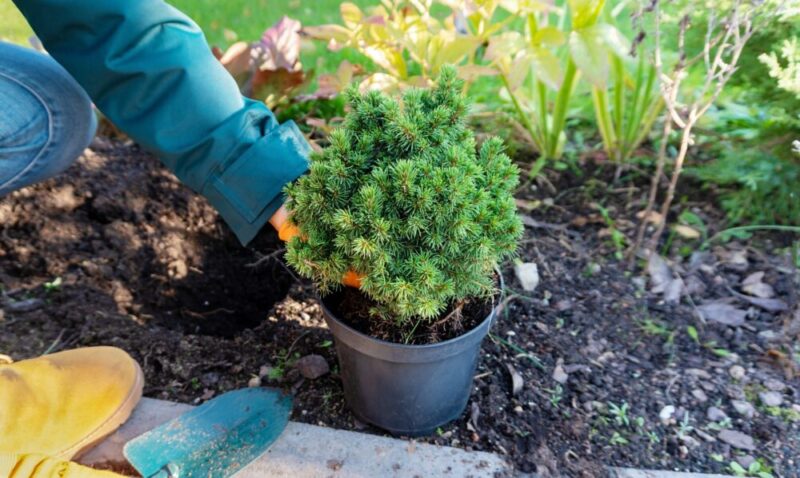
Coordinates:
225 21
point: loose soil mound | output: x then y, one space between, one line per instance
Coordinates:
146 265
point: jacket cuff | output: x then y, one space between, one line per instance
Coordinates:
250 189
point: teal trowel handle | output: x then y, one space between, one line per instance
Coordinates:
169 470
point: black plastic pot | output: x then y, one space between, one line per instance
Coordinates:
406 389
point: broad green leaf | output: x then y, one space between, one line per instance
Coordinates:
692 331
525 6
336 33
504 45
380 82
518 70
388 59
584 12
590 55
351 14
548 36
546 67
614 39
471 72
447 48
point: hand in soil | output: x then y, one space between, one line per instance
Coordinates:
287 231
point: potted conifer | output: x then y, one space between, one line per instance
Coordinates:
403 197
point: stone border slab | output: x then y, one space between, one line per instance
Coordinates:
311 451
634 473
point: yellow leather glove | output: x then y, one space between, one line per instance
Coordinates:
287 230
40 466
55 407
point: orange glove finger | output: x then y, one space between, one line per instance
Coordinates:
352 279
288 231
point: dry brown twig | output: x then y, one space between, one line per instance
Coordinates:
727 33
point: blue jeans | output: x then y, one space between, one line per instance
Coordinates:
46 119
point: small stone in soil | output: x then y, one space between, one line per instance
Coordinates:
699 395
699 373
715 414
771 399
312 366
769 335
737 439
666 413
705 436
689 441
774 385
528 275
743 408
559 375
737 372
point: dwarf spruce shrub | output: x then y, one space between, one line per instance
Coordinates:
402 197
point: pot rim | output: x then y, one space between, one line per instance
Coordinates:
478 331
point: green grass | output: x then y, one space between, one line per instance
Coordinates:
246 20
13 26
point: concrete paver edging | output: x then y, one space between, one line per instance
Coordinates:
309 451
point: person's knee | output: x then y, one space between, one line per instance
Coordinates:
46 119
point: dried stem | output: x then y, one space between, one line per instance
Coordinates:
725 39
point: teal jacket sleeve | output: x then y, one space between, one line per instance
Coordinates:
149 69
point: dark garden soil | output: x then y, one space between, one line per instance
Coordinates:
592 368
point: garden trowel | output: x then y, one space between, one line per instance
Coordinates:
214 440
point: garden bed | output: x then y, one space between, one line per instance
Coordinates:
117 252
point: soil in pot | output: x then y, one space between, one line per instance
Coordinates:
354 308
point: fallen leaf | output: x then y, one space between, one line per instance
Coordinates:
516 380
559 374
660 273
770 305
527 205
474 415
686 232
579 221
673 291
654 217
755 286
722 312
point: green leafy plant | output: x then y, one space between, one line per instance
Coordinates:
620 413
756 469
787 72
406 41
402 198
753 168
538 81
270 69
626 111
618 439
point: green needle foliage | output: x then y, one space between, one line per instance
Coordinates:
403 197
